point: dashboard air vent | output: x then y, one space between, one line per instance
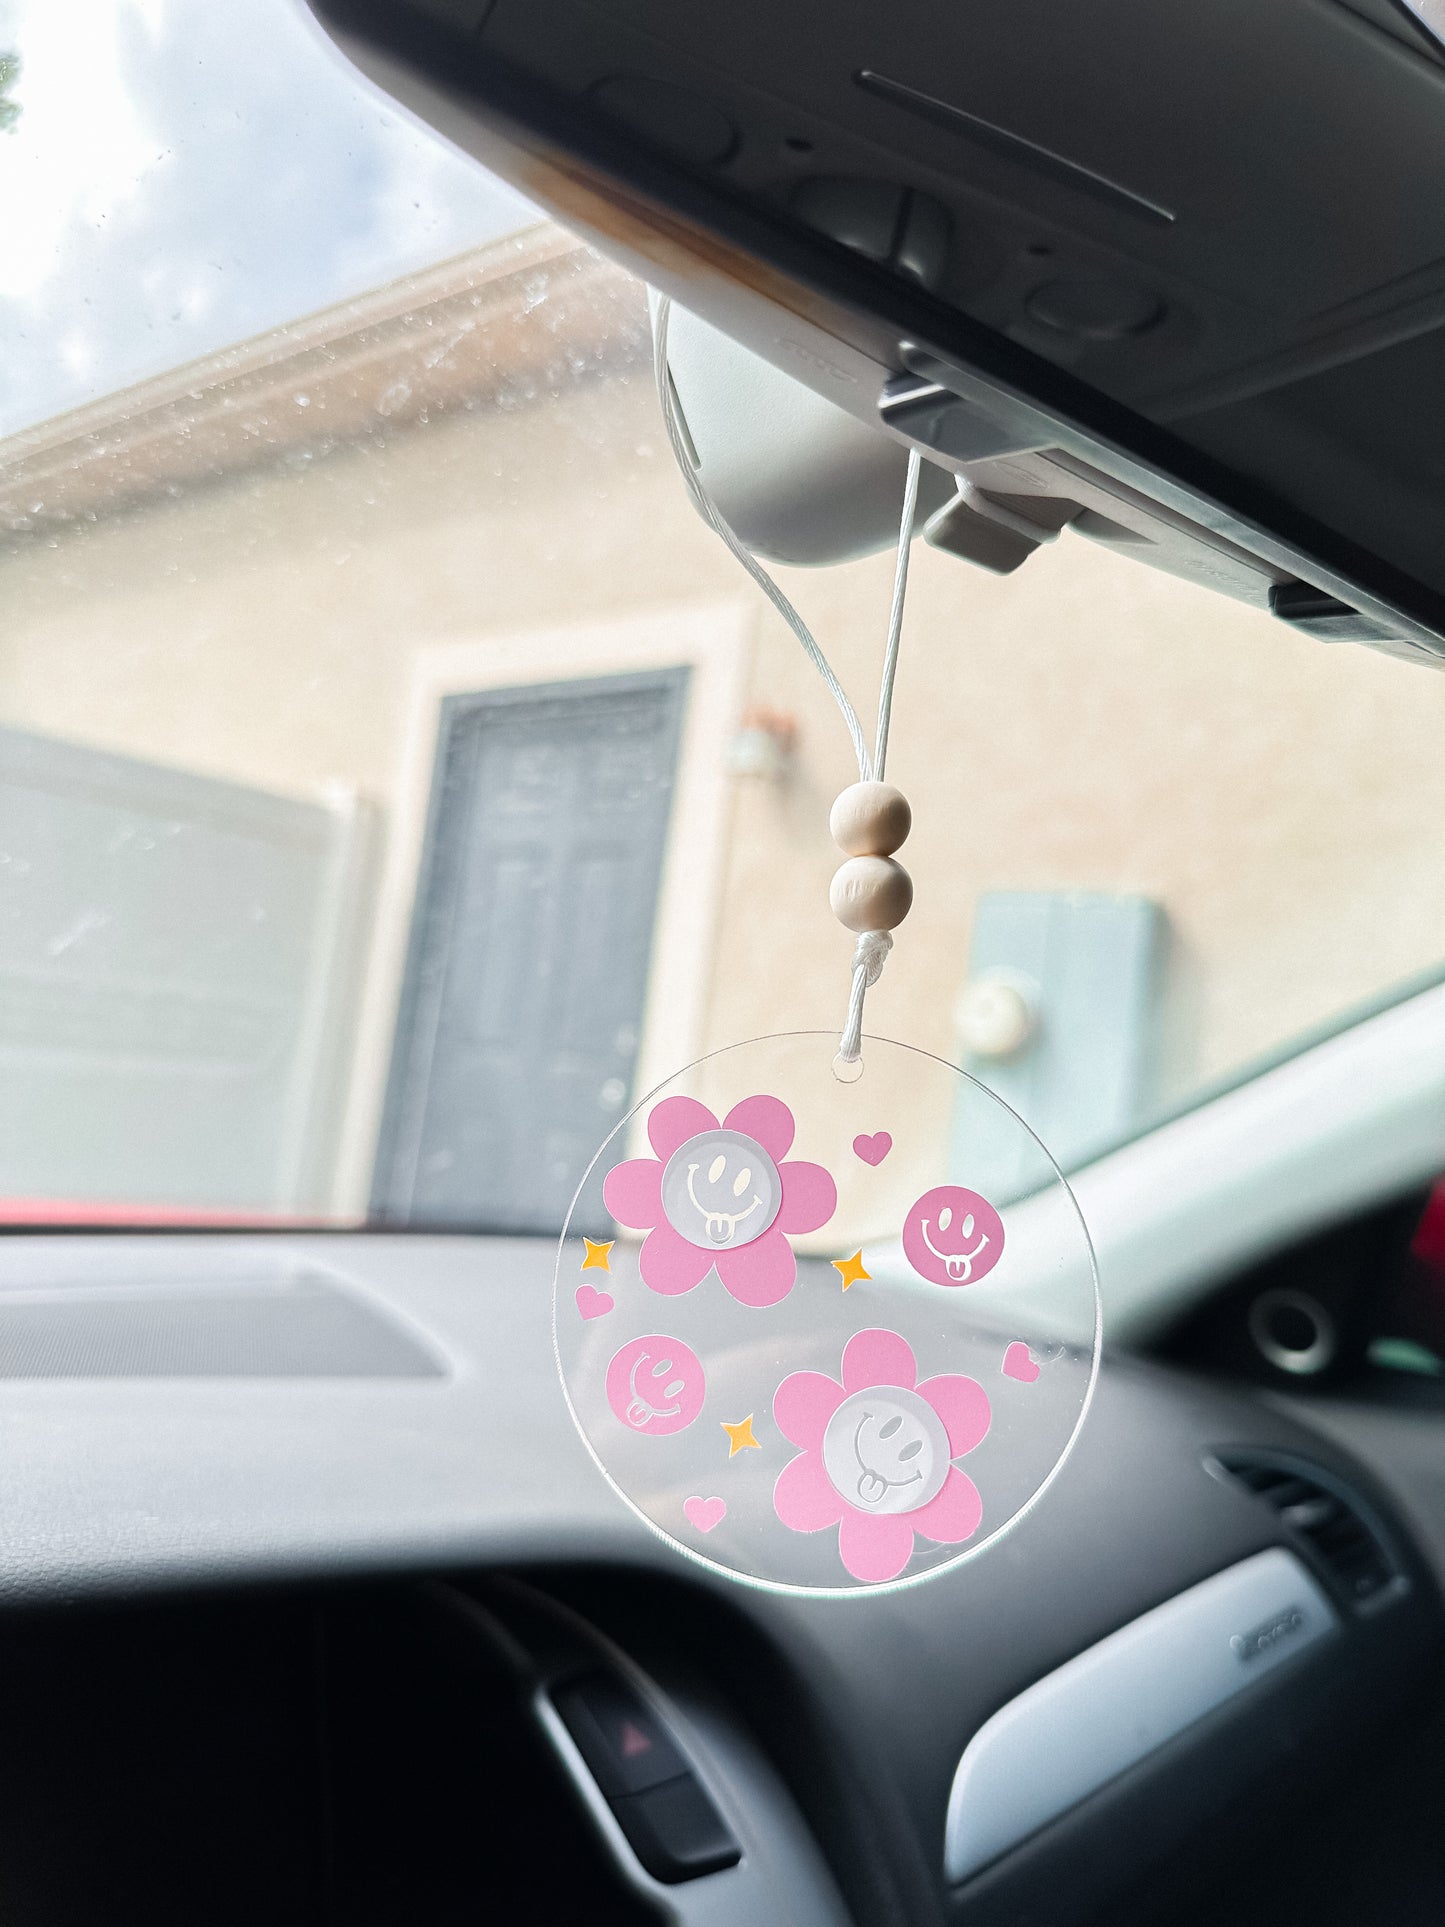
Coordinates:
1326 1520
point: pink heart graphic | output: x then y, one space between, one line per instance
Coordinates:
593 1303
705 1513
1019 1364
873 1149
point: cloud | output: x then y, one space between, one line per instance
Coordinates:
183 176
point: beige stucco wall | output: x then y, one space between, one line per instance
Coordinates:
1083 724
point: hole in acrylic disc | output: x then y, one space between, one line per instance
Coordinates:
829 1335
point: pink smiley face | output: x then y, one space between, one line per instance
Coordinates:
952 1236
656 1385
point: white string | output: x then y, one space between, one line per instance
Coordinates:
718 522
872 948
895 614
870 953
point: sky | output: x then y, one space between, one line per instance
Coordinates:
183 174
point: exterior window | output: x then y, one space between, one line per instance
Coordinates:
396 777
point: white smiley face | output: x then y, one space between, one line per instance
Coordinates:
721 1190
885 1450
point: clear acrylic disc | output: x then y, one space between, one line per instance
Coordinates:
826 1336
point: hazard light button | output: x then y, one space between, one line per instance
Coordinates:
670 1821
617 1735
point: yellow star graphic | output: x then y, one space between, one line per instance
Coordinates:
850 1270
740 1436
596 1259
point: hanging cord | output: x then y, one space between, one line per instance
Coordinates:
895 616
718 522
871 951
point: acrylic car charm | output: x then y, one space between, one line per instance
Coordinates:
849 1315
802 1345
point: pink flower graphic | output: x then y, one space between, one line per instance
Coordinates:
877 1453
720 1195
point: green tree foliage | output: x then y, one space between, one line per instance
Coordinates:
9 74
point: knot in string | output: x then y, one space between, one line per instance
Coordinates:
870 953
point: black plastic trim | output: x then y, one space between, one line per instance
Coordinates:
872 307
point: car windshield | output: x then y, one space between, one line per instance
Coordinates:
398 779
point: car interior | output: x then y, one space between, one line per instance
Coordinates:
318 1607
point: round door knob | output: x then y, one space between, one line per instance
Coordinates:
997 1015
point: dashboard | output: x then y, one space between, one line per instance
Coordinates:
302 1549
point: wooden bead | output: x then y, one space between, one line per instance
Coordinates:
870 819
871 893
